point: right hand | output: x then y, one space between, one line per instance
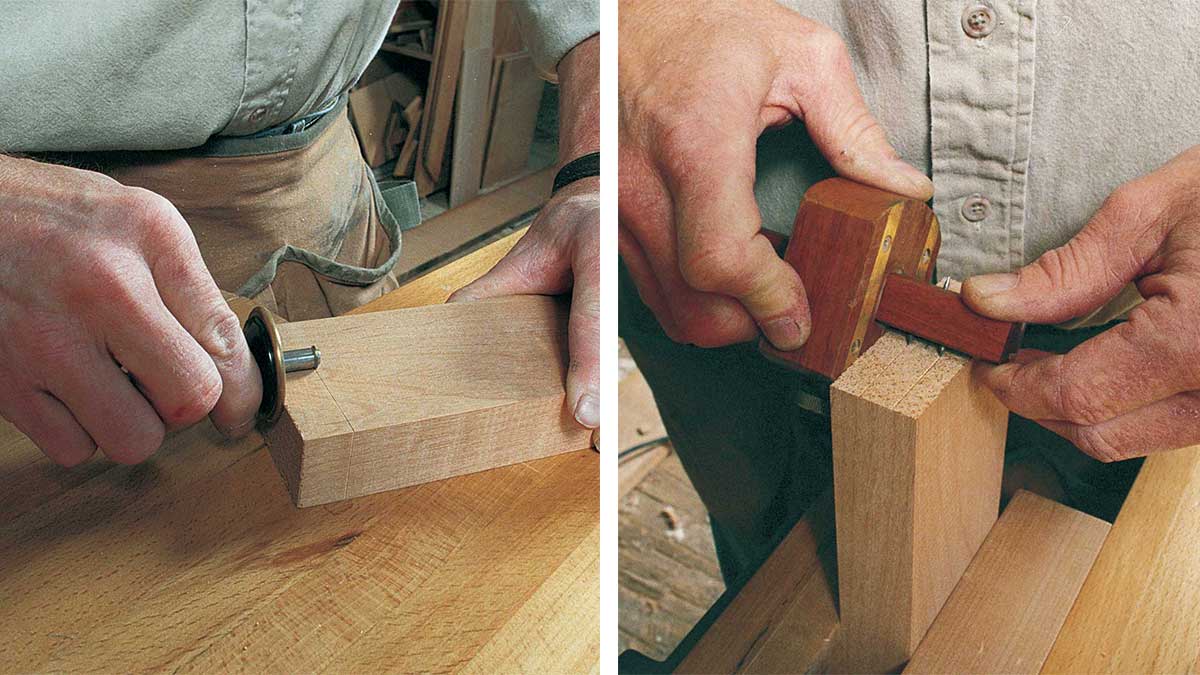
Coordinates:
95 277
698 82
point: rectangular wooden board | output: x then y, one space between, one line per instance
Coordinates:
918 448
409 396
471 103
1139 610
437 118
1007 610
517 97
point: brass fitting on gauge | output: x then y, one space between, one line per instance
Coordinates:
274 363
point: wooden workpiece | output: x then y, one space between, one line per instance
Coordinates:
414 395
918 450
1139 610
197 560
1011 602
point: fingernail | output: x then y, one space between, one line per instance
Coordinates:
987 285
587 411
785 333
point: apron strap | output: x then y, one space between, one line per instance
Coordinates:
408 215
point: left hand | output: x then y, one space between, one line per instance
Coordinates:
1135 388
561 252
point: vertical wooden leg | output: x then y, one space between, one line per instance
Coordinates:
918 446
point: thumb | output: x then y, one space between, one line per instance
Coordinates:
838 121
720 246
1062 284
583 336
528 269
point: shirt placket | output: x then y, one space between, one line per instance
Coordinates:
273 35
981 60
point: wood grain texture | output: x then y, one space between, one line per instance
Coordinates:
918 445
409 396
940 316
846 238
1007 610
1139 610
197 561
440 284
785 617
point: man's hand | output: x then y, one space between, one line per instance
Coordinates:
699 81
1134 388
561 251
112 331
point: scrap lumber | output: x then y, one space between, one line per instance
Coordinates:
407 158
1011 602
1139 610
514 109
918 446
439 97
415 395
507 37
371 111
471 103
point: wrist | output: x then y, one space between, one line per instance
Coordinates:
580 168
579 101
589 186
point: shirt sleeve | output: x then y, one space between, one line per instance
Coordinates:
552 28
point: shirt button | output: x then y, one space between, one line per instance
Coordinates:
975 208
978 20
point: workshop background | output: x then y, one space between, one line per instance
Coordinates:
452 101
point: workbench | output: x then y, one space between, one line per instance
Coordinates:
196 560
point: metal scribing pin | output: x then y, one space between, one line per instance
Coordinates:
301 359
941 349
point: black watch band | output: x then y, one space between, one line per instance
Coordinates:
577 169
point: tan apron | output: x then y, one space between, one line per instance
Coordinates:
295 222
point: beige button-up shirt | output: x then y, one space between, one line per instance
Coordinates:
1026 113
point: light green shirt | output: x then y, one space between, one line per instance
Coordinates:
160 75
